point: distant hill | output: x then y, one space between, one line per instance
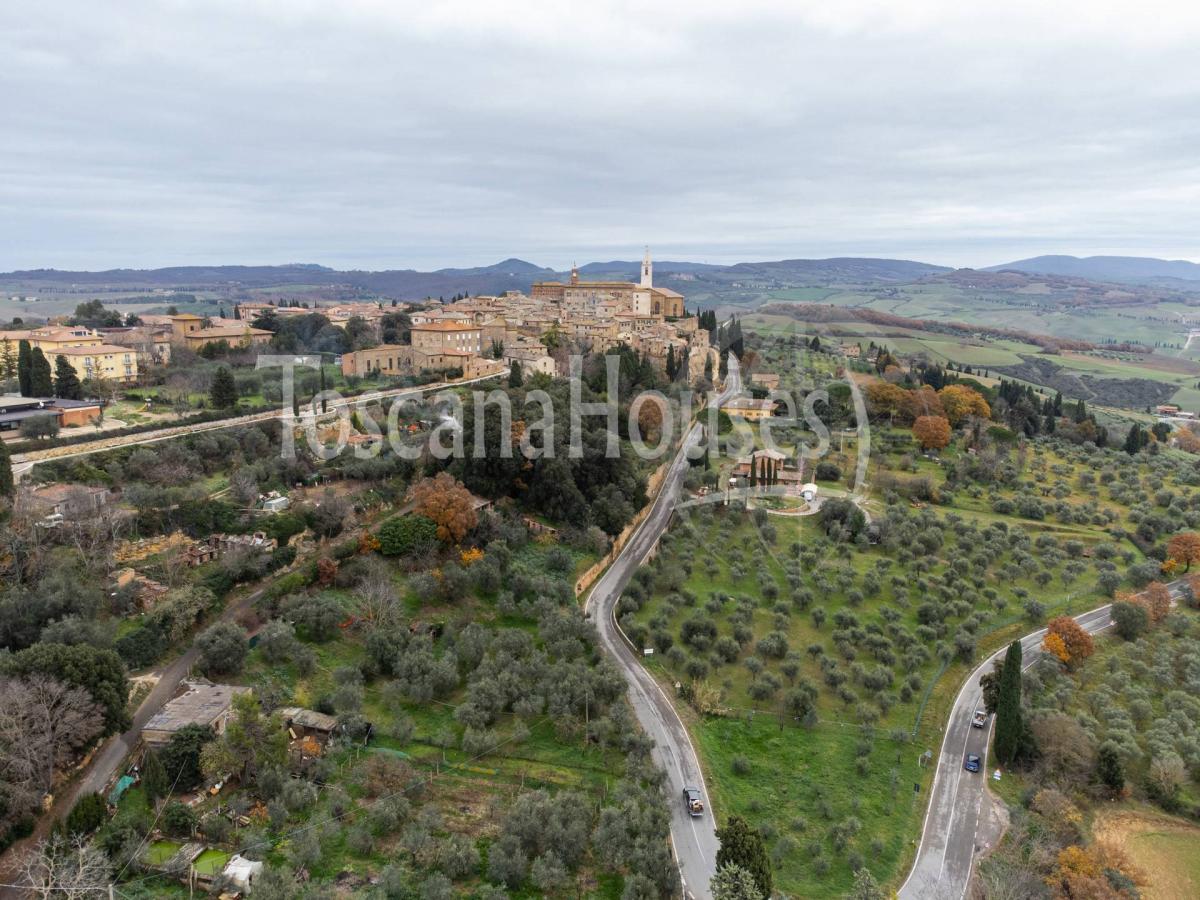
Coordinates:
510 274
849 269
1107 268
632 268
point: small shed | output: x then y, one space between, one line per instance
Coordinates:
276 504
242 872
307 721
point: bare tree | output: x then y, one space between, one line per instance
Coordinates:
62 868
243 486
44 724
375 594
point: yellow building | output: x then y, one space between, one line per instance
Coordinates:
107 361
51 339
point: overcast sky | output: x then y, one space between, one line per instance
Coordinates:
389 134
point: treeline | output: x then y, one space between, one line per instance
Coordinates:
595 489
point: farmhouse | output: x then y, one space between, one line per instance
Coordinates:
748 409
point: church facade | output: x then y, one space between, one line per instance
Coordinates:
583 298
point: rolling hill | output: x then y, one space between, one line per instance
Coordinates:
1107 268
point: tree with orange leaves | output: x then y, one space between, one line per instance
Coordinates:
1077 642
931 432
1187 440
1157 598
960 401
885 400
923 401
1184 548
447 503
1054 645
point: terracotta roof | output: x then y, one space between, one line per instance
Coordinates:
445 326
94 350
225 331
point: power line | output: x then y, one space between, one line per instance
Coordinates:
313 824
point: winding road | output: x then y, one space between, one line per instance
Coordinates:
693 839
959 824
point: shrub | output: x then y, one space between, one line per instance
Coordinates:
1131 619
88 814
827 471
223 648
406 535
178 819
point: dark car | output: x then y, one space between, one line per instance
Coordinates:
972 764
692 802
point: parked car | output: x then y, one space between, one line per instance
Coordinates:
692 802
973 763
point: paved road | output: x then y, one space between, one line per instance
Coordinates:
693 838
23 463
960 803
112 753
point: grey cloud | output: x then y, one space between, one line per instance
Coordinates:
376 134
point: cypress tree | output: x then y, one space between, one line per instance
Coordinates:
671 362
66 382
154 778
742 845
1109 770
515 377
8 359
25 368
41 384
1135 440
1010 721
223 391
6 472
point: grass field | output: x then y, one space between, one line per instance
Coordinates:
1037 309
1164 367
829 603
824 811
1164 848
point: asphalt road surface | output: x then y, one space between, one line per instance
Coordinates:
693 839
113 751
950 839
23 463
